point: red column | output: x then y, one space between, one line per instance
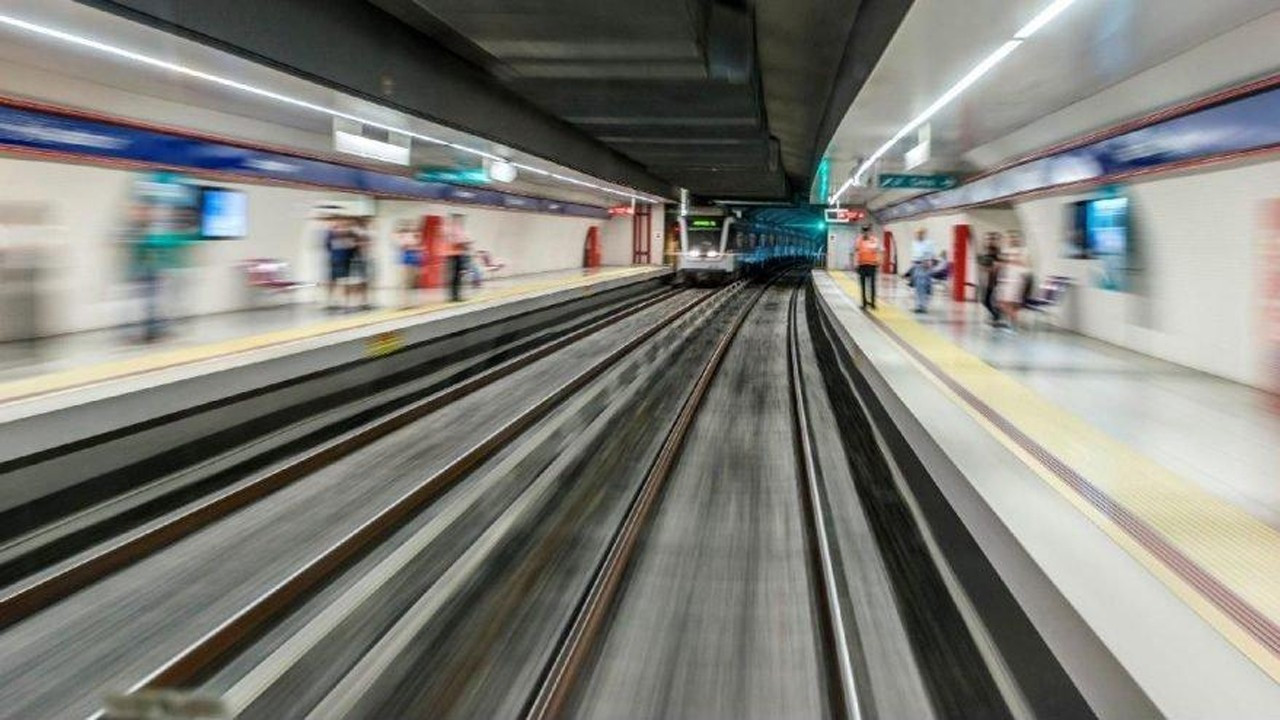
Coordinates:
640 229
433 251
959 260
591 249
887 264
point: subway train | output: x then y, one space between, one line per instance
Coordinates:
708 252
719 248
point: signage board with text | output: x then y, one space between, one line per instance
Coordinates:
838 216
918 182
704 223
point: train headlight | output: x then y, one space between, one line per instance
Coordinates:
713 253
695 253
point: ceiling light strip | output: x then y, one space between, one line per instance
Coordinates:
1044 17
154 62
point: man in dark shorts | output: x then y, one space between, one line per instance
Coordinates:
339 244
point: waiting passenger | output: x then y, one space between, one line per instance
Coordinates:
1011 288
476 266
1028 282
923 258
457 246
457 264
338 245
361 265
165 226
988 272
941 271
866 258
410 261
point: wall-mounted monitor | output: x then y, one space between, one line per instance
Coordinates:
1100 230
224 213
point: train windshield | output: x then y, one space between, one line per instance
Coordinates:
704 233
703 243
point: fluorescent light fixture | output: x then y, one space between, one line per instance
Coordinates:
362 146
952 93
1045 16
155 62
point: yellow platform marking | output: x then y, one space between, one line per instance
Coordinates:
1237 549
165 359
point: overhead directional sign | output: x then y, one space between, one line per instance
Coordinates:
918 182
844 215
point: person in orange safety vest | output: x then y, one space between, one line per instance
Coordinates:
866 257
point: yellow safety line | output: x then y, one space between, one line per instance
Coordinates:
103 372
1240 551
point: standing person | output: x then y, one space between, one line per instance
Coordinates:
361 261
338 246
866 256
923 257
166 235
1028 278
475 265
145 269
1011 287
410 260
988 272
457 258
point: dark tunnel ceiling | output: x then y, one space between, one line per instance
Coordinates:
730 99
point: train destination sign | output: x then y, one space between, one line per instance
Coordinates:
704 222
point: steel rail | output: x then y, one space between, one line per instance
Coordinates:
575 647
843 687
350 692
189 664
26 600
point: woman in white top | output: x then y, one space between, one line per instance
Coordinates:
1011 284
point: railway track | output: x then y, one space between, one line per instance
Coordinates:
580 642
198 659
25 607
665 501
22 599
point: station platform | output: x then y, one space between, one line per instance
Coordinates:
1127 504
1213 432
29 370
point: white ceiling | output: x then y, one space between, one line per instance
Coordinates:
1093 45
45 69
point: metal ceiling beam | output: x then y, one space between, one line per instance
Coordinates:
362 50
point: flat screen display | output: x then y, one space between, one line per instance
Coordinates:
1107 226
1101 231
224 214
1100 227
